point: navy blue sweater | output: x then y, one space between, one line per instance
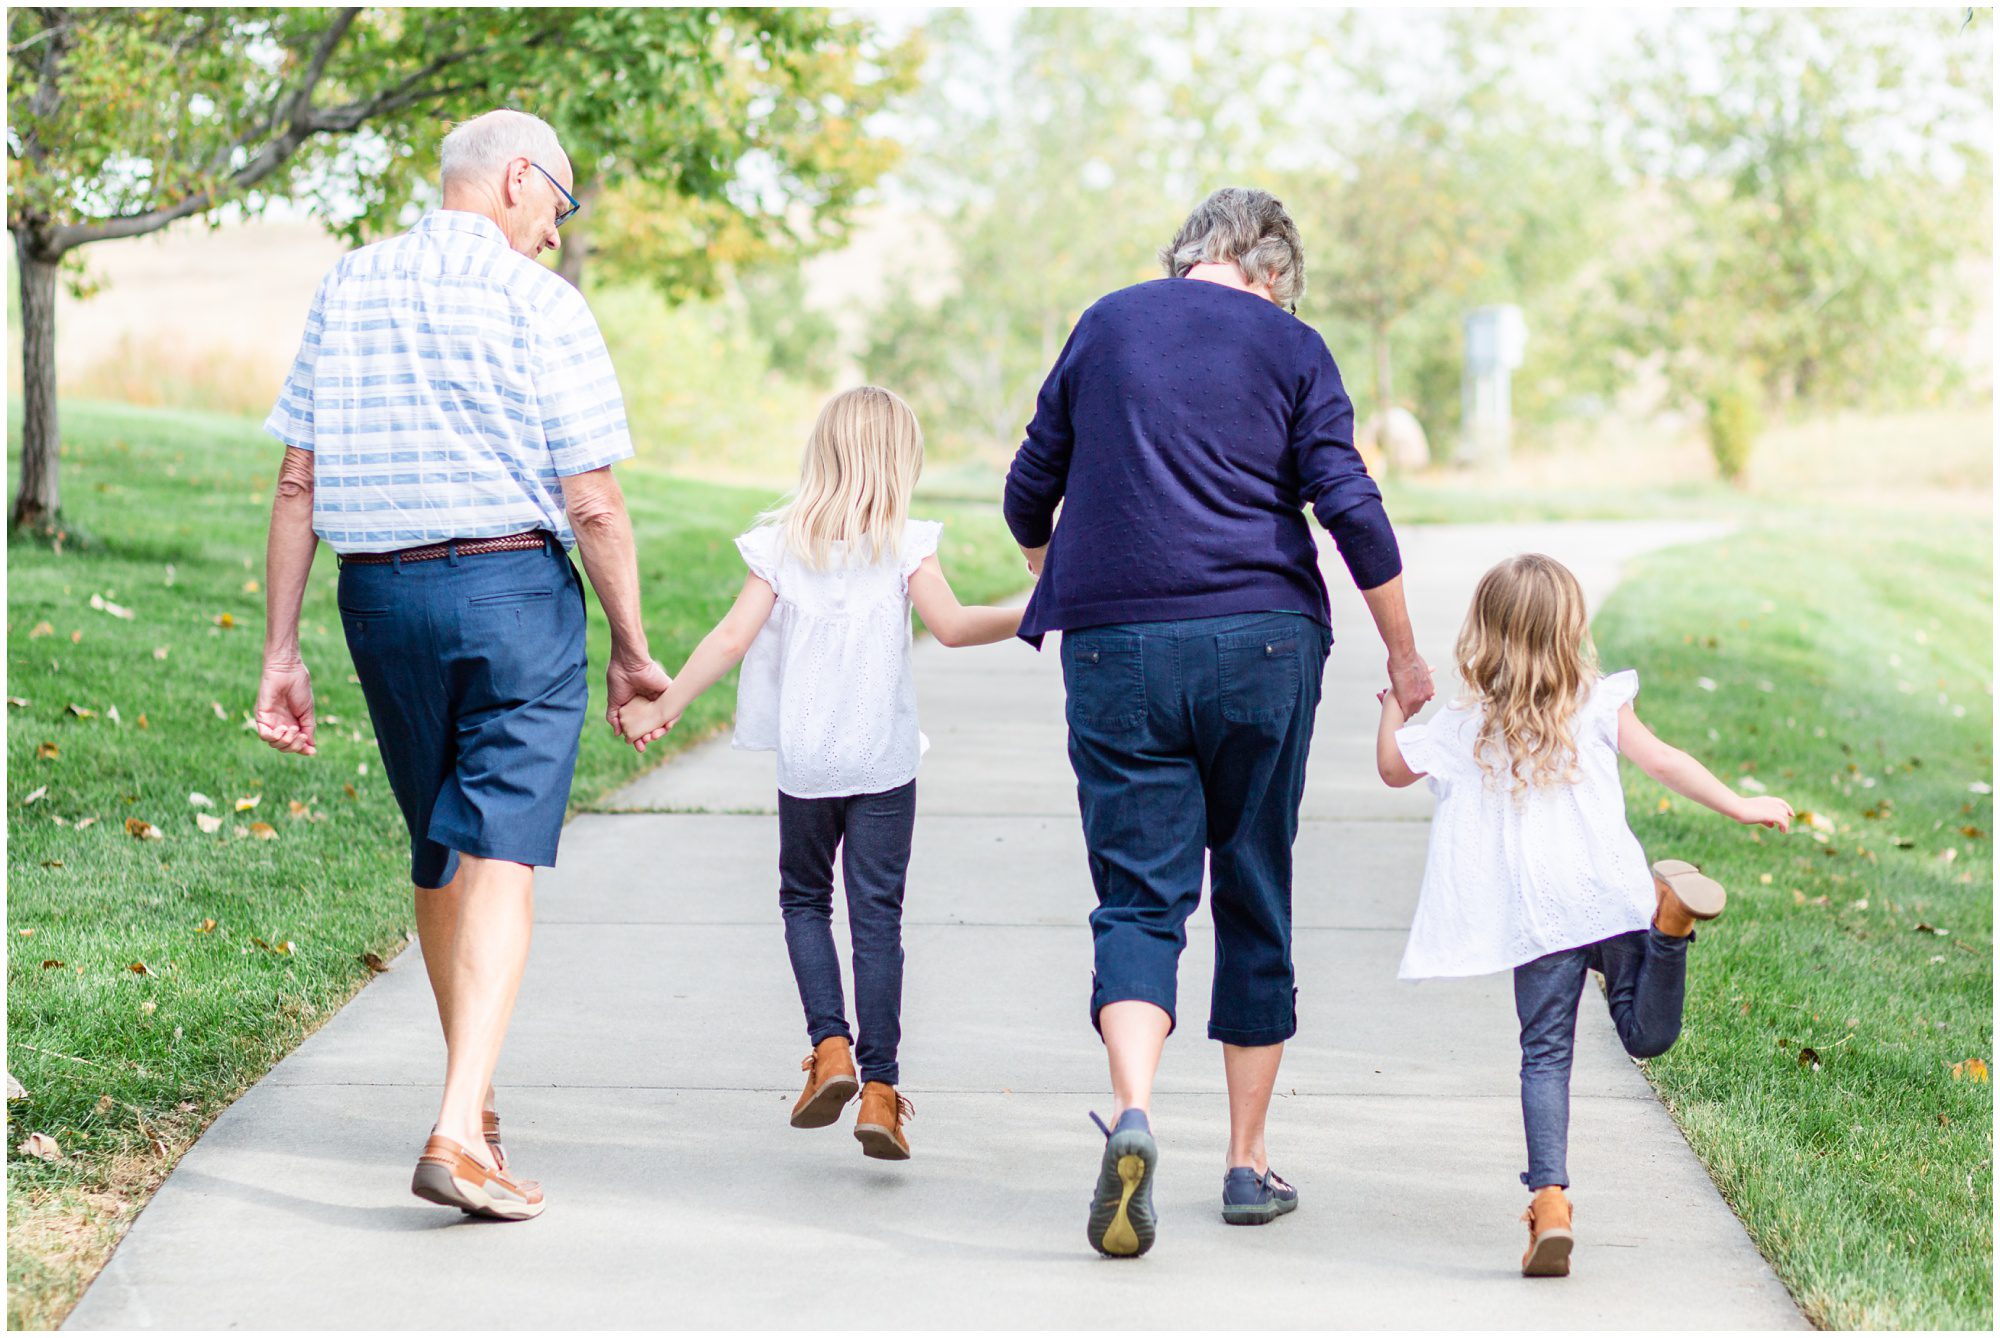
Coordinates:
1184 429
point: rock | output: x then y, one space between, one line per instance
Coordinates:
1404 444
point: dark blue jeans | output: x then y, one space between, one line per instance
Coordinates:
1187 738
872 834
1645 979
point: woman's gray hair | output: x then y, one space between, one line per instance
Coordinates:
1249 228
482 146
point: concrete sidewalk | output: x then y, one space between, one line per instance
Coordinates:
655 1050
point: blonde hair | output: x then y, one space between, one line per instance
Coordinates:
1527 660
861 464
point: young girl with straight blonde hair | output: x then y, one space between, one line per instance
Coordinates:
822 627
1532 866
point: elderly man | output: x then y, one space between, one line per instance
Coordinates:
450 426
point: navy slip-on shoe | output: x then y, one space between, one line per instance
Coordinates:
1249 1199
1121 1209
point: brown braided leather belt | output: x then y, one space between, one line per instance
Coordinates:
506 543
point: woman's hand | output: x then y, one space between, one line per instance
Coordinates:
1764 810
1035 557
1410 680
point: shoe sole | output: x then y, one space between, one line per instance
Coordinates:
1121 1213
1702 895
436 1184
1256 1214
879 1141
826 1105
1550 1256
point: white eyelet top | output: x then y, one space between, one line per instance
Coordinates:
1512 876
827 683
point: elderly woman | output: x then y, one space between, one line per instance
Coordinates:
1185 427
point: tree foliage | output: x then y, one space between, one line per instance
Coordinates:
729 123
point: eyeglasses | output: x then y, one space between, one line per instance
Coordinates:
562 215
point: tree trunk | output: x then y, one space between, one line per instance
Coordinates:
576 239
38 504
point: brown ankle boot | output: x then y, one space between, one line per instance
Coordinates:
830 1084
1685 896
1549 1236
880 1124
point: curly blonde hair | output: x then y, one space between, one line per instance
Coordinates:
1527 661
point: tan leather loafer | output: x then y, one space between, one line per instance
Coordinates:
447 1174
1550 1238
830 1084
880 1124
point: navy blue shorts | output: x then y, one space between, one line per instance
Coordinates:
474 672
1190 738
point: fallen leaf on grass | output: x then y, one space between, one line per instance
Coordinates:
39 792
1980 787
225 620
140 969
80 712
374 963
1922 928
76 637
263 831
52 864
46 751
1948 854
220 714
144 830
17 701
208 822
1818 822
52 963
15 1092
1666 806
1861 905
113 717
352 793
104 605
1705 683
1971 833
1973 1070
1764 878
159 652
299 810
148 1008
245 805
41 1146
82 823
105 1105
142 721
200 800
207 927
1808 1058
41 629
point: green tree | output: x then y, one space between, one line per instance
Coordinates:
1820 174
123 121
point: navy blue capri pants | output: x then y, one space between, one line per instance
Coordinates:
474 671
1190 738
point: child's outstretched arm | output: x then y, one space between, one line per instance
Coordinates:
953 623
1388 757
1691 780
717 654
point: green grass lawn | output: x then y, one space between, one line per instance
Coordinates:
1843 662
151 980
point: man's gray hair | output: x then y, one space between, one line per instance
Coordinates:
480 147
1247 227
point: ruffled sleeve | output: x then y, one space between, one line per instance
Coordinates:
1612 694
761 549
920 540
1423 751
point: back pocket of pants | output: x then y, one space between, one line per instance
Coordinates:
1259 674
1105 681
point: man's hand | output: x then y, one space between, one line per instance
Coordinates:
1410 680
623 681
285 707
1035 557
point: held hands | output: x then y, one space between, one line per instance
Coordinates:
285 708
1764 810
1410 681
648 719
626 679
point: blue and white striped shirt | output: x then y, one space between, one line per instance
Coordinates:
446 384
